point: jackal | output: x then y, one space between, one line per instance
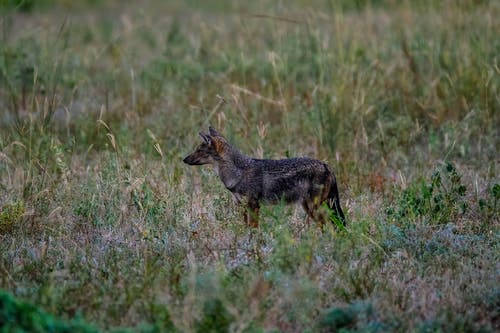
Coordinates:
303 180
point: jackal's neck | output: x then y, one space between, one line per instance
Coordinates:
236 159
230 167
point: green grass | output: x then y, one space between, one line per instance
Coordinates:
103 226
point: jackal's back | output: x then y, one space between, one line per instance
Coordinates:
293 179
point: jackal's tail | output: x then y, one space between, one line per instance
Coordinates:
334 203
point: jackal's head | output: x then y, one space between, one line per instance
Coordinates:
209 151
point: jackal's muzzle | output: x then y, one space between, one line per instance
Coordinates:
193 160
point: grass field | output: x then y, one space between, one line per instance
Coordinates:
102 225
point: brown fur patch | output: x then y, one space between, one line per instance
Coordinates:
218 144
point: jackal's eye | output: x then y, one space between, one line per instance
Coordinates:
205 150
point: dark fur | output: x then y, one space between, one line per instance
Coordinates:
303 180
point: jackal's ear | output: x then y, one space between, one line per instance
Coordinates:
213 132
218 143
205 138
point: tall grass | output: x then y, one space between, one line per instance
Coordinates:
100 220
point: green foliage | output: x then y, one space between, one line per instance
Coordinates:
338 318
30 6
357 317
18 316
148 203
449 322
11 214
439 200
489 205
215 317
162 319
21 5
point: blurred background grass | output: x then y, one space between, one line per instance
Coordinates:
101 100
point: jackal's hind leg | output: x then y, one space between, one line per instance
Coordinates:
314 212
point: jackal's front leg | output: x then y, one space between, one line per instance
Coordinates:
252 214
